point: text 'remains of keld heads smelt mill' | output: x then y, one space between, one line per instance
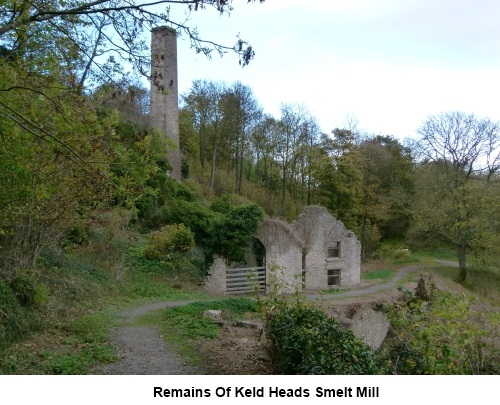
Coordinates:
268 392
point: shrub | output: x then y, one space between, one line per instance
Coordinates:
194 215
28 290
168 240
16 321
234 231
304 340
443 336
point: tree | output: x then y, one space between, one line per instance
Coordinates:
244 112
105 27
386 185
291 126
81 44
205 102
460 159
47 185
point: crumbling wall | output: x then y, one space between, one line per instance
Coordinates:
283 252
301 247
216 279
317 227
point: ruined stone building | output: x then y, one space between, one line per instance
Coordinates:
316 252
164 98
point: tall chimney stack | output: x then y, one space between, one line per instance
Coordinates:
164 92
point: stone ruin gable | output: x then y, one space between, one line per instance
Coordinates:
318 228
283 259
283 252
306 241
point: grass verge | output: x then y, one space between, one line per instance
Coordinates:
381 274
184 325
72 348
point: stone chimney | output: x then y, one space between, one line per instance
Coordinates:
164 92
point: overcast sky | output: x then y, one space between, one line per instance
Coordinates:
389 63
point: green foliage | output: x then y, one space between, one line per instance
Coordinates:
222 204
304 340
28 290
412 258
84 344
168 240
234 231
162 279
396 253
53 160
194 215
137 258
223 229
443 336
16 321
187 321
460 205
162 190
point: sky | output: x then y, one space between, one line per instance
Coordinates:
389 64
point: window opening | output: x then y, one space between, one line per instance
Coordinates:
333 277
333 249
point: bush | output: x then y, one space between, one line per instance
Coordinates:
443 336
233 232
161 191
194 215
168 240
29 291
304 340
16 321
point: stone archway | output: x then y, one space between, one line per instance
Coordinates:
282 257
312 253
284 254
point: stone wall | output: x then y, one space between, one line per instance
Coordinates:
216 279
317 227
301 247
283 253
164 92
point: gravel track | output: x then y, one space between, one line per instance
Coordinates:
393 282
142 350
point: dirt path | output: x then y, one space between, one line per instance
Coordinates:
142 350
373 289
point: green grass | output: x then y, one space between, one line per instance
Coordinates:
184 325
382 274
157 286
74 336
484 282
74 348
411 258
398 254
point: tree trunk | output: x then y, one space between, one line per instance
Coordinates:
462 265
240 171
237 156
202 148
283 189
363 239
212 172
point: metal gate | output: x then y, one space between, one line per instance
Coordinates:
245 280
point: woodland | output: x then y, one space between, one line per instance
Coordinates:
88 211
